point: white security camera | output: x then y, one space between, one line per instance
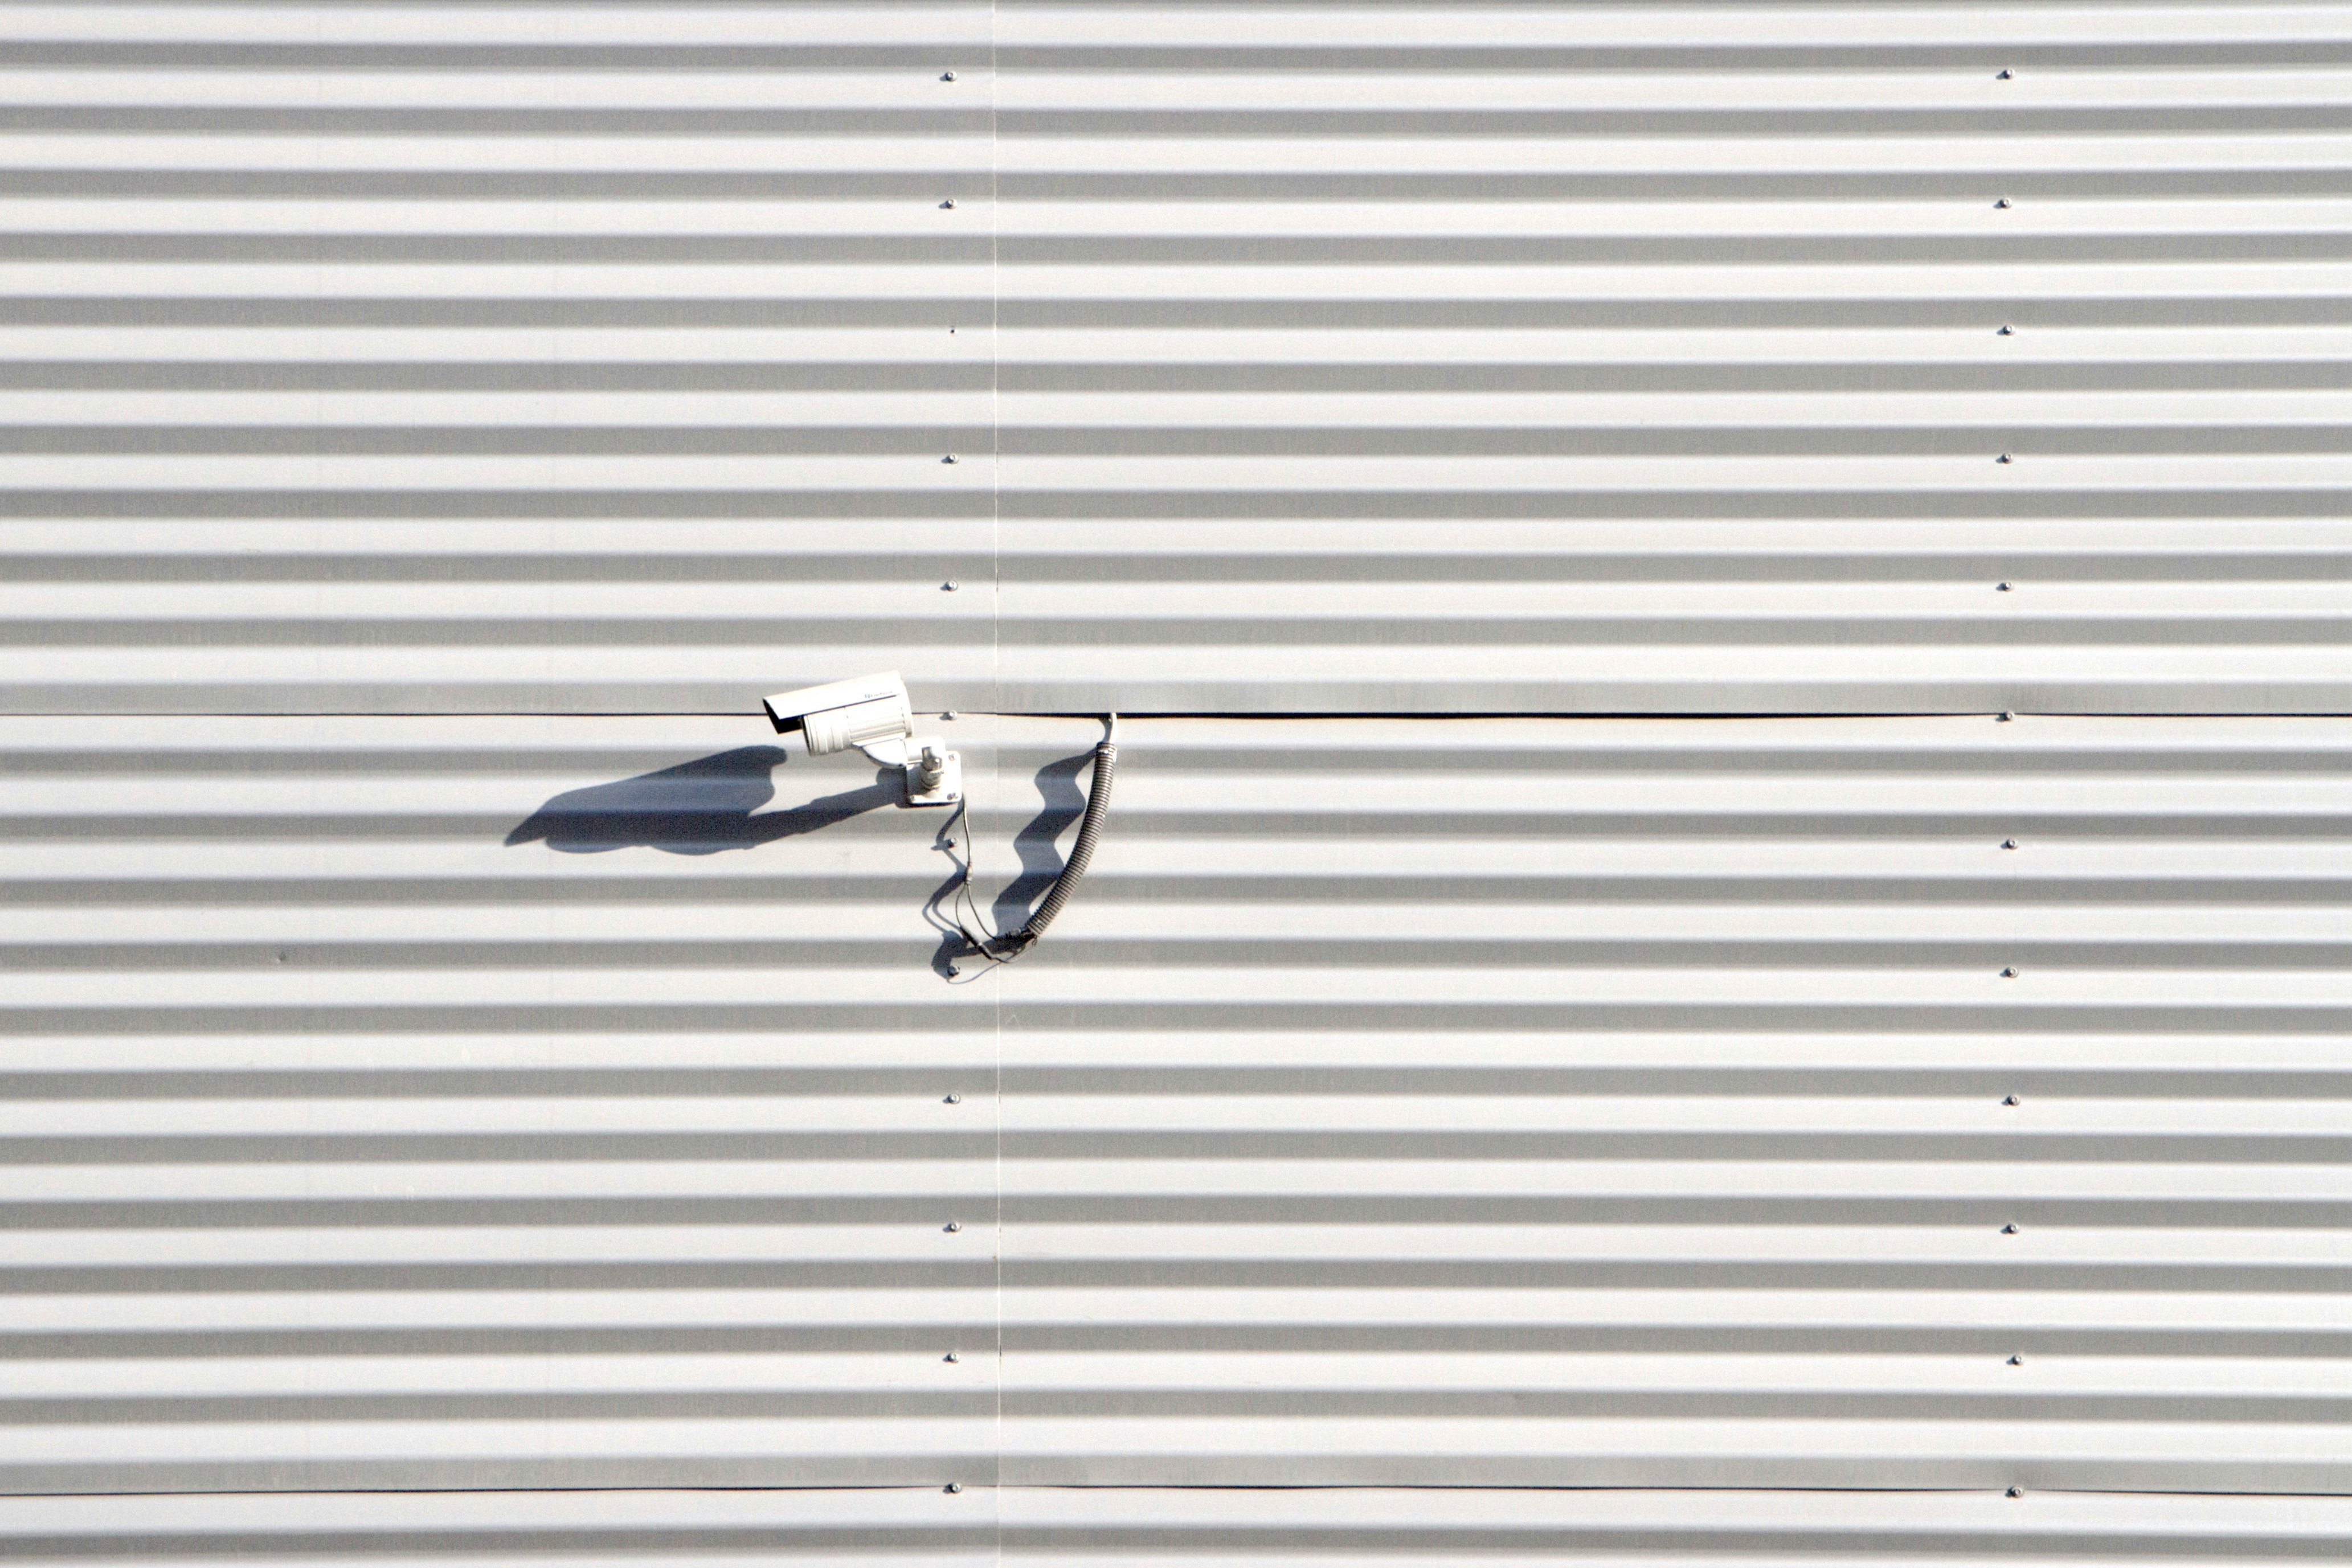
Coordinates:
872 714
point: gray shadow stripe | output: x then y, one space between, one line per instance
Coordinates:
2028 566
1186 1274
1150 1404
518 1147
780 376
1015 313
1976 956
749 58
928 1083
1992 630
1023 1336
1179 1209
598 439
1168 250
2164 120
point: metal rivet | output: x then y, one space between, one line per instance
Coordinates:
953 1488
949 458
946 76
2004 457
2008 1099
946 204
949 586
952 1100
951 1356
2002 202
2008 843
2005 331
2004 76
2009 1230
947 717
952 1227
2013 1361
2008 974
2003 717
2002 588
2013 1492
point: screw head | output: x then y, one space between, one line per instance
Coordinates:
952 1100
2004 76
2002 202
947 717
946 204
2003 717
949 586
948 459
2013 1361
2004 457
950 1357
2009 1230
2007 974
2006 332
2002 588
2008 843
953 1488
952 1227
2008 1099
946 76
2013 1492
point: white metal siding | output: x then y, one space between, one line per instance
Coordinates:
1391 358
476 1102
1243 1529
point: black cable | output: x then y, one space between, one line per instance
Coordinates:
1004 949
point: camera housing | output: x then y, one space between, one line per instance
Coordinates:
872 714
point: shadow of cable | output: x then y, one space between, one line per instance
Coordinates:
698 808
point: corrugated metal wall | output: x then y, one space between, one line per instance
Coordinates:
421 1093
553 1102
1394 358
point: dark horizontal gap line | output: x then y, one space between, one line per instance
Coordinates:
965 183
929 1082
1226 953
979 250
1004 60
1992 628
979 123
952 1020
1375 760
1916 1215
1028 1336
1016 313
979 1274
2210 563
1014 440
513 1146
685 889
1909 1405
687 829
